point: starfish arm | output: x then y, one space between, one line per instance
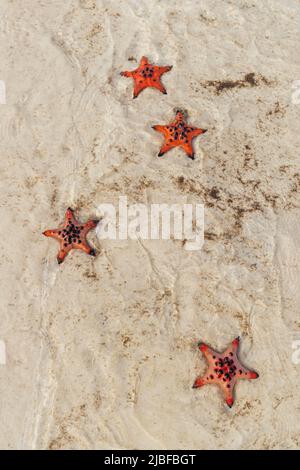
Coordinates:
200 381
165 148
61 255
234 346
210 375
159 86
127 73
229 397
89 225
232 350
187 147
207 351
138 87
244 373
69 216
161 70
253 375
84 246
179 117
196 131
69 213
144 61
227 388
52 233
161 129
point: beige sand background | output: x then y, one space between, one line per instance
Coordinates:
101 353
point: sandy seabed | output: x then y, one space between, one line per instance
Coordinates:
102 353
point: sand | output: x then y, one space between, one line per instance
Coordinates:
102 353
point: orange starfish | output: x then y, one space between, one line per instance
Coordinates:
178 134
72 236
147 75
224 369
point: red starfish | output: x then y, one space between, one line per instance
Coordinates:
72 236
147 75
224 369
178 134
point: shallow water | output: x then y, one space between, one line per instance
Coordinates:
102 353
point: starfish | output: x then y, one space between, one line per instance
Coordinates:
147 75
72 235
224 369
178 134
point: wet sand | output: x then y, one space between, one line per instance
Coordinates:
101 353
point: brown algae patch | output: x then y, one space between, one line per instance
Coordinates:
250 80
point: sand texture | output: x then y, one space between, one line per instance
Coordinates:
101 353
